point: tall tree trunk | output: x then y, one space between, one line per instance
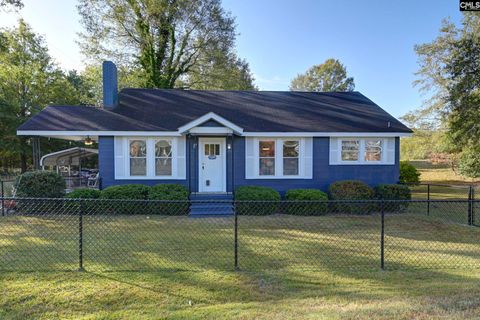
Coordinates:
23 161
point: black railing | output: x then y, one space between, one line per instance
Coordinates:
71 234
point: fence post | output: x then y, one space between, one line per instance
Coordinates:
80 236
235 236
382 237
473 206
470 205
3 200
428 199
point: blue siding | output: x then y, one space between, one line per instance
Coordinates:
323 173
107 172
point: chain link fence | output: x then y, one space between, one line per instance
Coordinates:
118 235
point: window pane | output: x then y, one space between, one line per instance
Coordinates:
217 149
350 150
290 148
373 150
267 148
163 148
267 167
207 149
163 166
138 166
138 148
290 166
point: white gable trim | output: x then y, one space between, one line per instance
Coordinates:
211 130
207 117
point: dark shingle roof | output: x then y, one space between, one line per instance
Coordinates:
254 111
82 118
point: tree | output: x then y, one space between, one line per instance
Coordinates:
469 165
450 73
29 80
326 77
220 70
17 4
165 37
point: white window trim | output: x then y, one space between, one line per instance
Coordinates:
361 156
173 144
279 159
150 159
128 157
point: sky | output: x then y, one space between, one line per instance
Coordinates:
374 39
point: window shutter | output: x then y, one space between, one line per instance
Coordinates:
181 158
119 161
308 158
334 150
249 158
390 151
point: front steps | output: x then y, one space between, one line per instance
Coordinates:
211 204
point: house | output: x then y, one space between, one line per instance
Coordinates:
216 141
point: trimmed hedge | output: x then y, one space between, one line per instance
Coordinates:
408 173
257 193
125 192
40 184
351 190
309 202
169 192
83 193
393 192
88 207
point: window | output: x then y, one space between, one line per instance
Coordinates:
163 158
266 158
362 151
150 158
291 152
350 150
278 158
138 157
212 149
373 150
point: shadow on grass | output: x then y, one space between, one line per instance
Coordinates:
279 242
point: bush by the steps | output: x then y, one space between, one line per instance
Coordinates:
256 200
173 199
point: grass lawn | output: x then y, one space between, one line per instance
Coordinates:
440 173
290 267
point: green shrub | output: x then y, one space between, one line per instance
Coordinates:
270 197
88 207
351 190
41 184
308 202
393 192
125 192
408 173
83 193
173 192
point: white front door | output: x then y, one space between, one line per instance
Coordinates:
212 165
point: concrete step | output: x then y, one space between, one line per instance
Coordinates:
211 205
211 196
